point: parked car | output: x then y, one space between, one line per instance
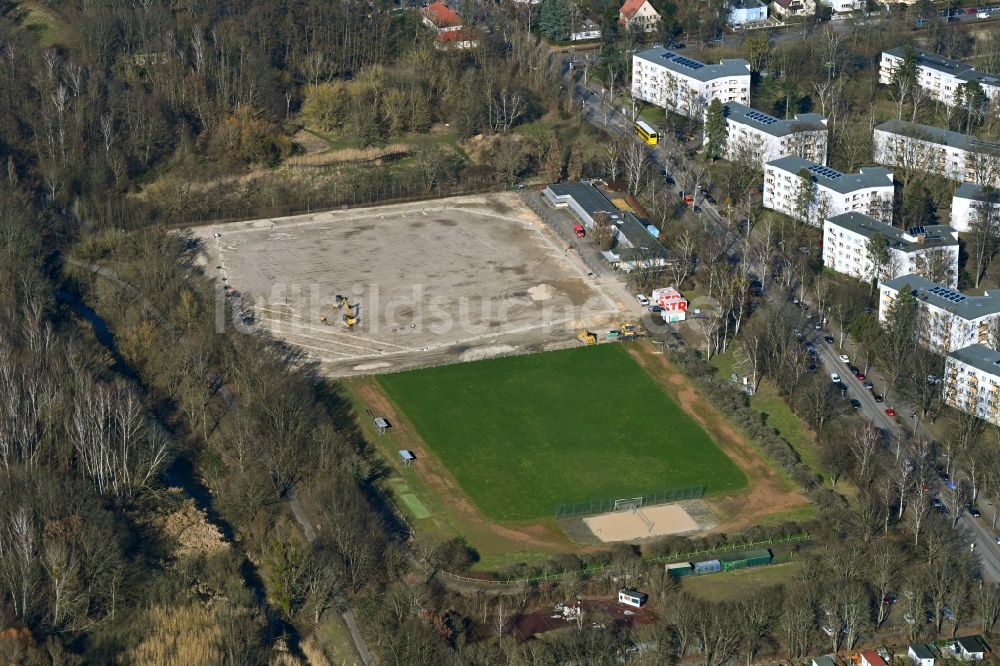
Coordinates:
834 377
853 369
889 411
974 511
860 376
655 308
643 301
579 230
982 15
828 339
844 358
856 404
879 397
678 45
868 385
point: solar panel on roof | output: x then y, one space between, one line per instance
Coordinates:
825 171
761 117
687 62
947 294
917 231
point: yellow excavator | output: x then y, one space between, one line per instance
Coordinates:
350 316
587 338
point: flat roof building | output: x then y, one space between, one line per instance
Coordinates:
971 202
684 85
635 246
870 191
941 77
948 319
754 133
931 251
972 383
953 155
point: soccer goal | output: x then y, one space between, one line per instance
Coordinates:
628 504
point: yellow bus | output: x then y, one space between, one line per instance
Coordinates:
646 132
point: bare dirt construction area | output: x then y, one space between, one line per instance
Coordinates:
642 523
429 283
768 493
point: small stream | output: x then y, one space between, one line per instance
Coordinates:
181 473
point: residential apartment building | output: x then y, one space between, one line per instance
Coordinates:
970 203
949 320
639 15
939 76
870 191
747 12
934 150
786 9
844 6
685 86
972 382
925 250
766 138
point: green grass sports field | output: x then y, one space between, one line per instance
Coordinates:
526 433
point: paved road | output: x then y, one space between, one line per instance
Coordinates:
973 530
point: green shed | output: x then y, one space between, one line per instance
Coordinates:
746 559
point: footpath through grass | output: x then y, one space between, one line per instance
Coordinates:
524 434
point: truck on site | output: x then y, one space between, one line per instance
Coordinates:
579 230
587 338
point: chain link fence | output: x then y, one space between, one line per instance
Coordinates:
605 505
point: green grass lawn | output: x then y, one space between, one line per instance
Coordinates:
524 434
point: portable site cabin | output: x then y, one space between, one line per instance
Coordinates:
709 566
679 569
823 661
632 598
747 559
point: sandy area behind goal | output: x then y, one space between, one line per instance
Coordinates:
628 525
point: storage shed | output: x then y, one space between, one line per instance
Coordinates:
679 569
823 661
920 654
746 559
632 598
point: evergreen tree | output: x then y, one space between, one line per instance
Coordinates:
715 130
574 170
895 345
554 20
553 160
804 198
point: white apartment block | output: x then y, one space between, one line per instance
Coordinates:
870 191
766 138
949 320
972 382
971 203
934 150
924 250
685 86
939 76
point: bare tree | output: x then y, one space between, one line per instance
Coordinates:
636 162
865 443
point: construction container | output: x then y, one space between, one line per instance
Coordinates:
709 566
746 559
679 569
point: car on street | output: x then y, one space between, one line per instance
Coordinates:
974 511
828 339
856 404
680 45
983 15
844 358
834 377
997 539
860 376
879 397
643 301
889 411
655 308
818 326
943 475
868 385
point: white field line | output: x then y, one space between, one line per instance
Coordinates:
287 332
329 330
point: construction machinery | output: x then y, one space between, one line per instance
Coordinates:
350 316
587 338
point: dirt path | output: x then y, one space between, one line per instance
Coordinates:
768 492
474 526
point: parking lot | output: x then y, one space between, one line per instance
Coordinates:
431 282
